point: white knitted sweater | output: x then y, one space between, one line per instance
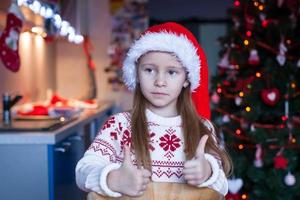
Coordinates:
166 150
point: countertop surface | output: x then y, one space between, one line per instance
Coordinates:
54 135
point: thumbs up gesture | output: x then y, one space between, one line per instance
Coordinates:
128 179
197 170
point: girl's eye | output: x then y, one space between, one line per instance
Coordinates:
149 70
172 72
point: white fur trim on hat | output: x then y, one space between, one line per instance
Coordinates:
165 41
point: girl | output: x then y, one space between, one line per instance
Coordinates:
162 139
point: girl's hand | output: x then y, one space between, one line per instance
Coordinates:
197 170
128 179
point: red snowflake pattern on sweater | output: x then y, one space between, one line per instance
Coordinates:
151 141
126 140
111 121
116 133
169 141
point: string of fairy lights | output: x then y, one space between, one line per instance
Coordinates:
45 10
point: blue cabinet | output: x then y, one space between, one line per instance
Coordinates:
36 171
41 165
23 172
62 159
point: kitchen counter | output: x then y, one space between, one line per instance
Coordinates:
52 137
41 164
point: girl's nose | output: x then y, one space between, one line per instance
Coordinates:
160 81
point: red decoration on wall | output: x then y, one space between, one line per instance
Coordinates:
9 40
88 48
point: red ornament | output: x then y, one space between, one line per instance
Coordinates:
284 118
237 3
250 21
270 96
280 162
230 196
226 83
249 33
253 59
265 23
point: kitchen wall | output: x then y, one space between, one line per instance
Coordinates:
37 71
60 65
72 73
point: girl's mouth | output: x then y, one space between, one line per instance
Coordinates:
158 93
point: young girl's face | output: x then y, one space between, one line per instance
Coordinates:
161 77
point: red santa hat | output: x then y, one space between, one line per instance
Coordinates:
174 38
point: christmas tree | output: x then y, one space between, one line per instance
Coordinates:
256 98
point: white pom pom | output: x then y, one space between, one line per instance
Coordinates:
290 179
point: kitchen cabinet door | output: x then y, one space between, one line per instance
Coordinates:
65 156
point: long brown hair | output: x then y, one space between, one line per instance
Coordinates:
193 129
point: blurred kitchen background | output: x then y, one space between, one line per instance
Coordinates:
60 78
